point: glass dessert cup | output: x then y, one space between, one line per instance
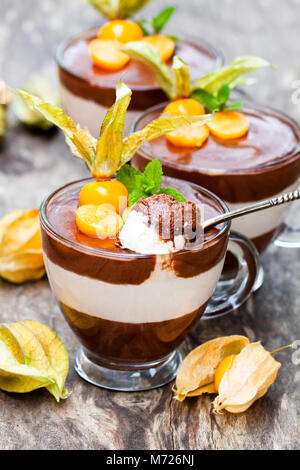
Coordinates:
87 91
236 185
130 312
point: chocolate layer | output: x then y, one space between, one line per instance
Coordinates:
129 342
263 163
118 266
78 74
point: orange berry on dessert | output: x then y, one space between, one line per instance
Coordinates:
164 45
185 107
229 125
98 221
223 367
107 54
111 192
192 136
121 30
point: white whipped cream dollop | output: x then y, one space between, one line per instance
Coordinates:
136 235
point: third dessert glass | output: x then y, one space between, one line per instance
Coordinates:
88 90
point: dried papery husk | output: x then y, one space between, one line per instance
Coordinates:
111 151
252 373
31 357
210 388
117 9
21 256
197 371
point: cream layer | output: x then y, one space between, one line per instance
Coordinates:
163 296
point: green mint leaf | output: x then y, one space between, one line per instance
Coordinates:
144 26
172 192
223 94
208 100
130 177
233 106
152 176
162 18
135 195
174 38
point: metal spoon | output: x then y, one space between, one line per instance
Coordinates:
276 201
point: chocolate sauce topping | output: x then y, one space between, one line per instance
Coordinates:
170 217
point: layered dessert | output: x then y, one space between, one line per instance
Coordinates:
133 297
91 65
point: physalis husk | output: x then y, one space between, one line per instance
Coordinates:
252 372
197 371
32 357
21 257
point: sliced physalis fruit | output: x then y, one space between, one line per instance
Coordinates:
251 374
164 45
121 30
196 374
193 136
107 54
21 256
31 357
98 221
105 192
229 125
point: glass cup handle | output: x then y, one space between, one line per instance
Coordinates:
230 295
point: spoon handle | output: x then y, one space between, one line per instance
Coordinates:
276 201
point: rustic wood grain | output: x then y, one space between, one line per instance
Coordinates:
32 164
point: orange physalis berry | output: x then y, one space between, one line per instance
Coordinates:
121 30
97 221
192 136
164 45
107 54
223 367
110 192
229 125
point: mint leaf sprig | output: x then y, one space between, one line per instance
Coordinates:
157 23
145 185
216 102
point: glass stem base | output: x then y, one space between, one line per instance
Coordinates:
260 279
130 377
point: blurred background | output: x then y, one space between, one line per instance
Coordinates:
30 32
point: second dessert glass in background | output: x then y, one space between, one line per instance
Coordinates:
240 171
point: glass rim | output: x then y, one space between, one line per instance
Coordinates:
46 224
59 55
215 172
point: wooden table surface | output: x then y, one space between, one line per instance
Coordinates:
32 165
